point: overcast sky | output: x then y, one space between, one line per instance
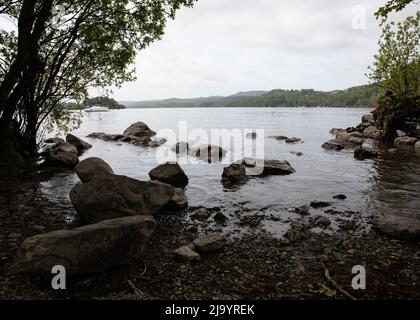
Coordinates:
220 47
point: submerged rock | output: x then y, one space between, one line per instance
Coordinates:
251 135
139 129
210 243
113 196
320 204
363 154
303 210
279 137
61 155
293 140
93 167
209 153
170 173
81 145
398 227
88 249
340 197
181 148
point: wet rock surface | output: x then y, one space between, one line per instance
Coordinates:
81 145
93 167
170 173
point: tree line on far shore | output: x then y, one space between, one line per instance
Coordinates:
96 101
361 96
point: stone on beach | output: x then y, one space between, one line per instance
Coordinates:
170 173
399 227
187 254
87 249
210 243
178 201
113 196
93 167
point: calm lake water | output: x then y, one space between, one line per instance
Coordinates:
390 184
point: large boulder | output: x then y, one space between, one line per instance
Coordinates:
61 155
88 249
113 196
405 141
208 152
90 168
364 153
398 227
78 143
170 173
139 129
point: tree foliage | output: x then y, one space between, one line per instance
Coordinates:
54 56
396 70
391 6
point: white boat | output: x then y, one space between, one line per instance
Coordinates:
96 109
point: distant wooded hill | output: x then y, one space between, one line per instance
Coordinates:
96 101
360 96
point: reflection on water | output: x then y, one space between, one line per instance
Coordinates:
389 184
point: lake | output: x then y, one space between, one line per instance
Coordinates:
389 184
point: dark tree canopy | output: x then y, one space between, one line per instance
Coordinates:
61 48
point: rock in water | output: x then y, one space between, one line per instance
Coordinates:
398 227
112 196
210 243
340 197
235 173
353 137
181 148
363 154
209 153
62 155
90 168
88 249
368 119
78 143
170 173
320 204
251 135
293 140
187 254
279 137
405 141
139 129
